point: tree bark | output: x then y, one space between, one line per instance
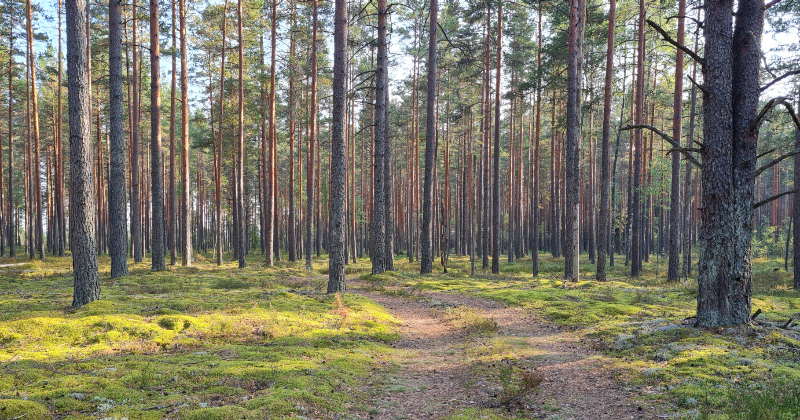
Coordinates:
605 161
82 221
36 161
378 235
186 197
496 157
426 238
673 266
336 228
12 246
312 137
118 235
136 215
239 204
156 176
636 193
172 209
573 141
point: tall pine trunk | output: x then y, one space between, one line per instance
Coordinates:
83 218
118 235
426 238
573 141
156 176
603 228
186 198
336 212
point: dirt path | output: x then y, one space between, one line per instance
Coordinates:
445 370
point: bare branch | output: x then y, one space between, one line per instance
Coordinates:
775 161
699 86
669 39
669 140
778 79
773 198
765 153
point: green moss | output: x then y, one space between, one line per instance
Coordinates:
17 409
218 413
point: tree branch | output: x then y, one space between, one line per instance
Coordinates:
765 153
778 79
770 4
773 198
669 140
669 39
699 86
775 161
772 103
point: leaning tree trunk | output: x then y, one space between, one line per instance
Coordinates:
573 141
336 212
426 238
118 235
673 267
82 238
156 176
603 228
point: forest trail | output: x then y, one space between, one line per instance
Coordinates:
446 369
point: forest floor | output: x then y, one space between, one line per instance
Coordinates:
211 342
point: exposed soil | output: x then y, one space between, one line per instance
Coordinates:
434 377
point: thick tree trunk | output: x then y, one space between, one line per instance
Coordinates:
426 238
573 141
156 176
82 220
713 304
118 235
378 222
336 228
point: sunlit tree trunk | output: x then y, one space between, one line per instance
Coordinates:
36 162
573 140
82 220
636 194
186 198
496 156
118 234
336 239
311 168
605 161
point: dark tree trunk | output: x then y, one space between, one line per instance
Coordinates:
239 181
387 176
12 246
118 235
573 141
796 214
426 262
603 228
636 176
714 288
83 220
156 176
378 236
336 212
673 267
136 206
186 197
496 157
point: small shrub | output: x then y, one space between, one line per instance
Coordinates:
776 400
516 381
